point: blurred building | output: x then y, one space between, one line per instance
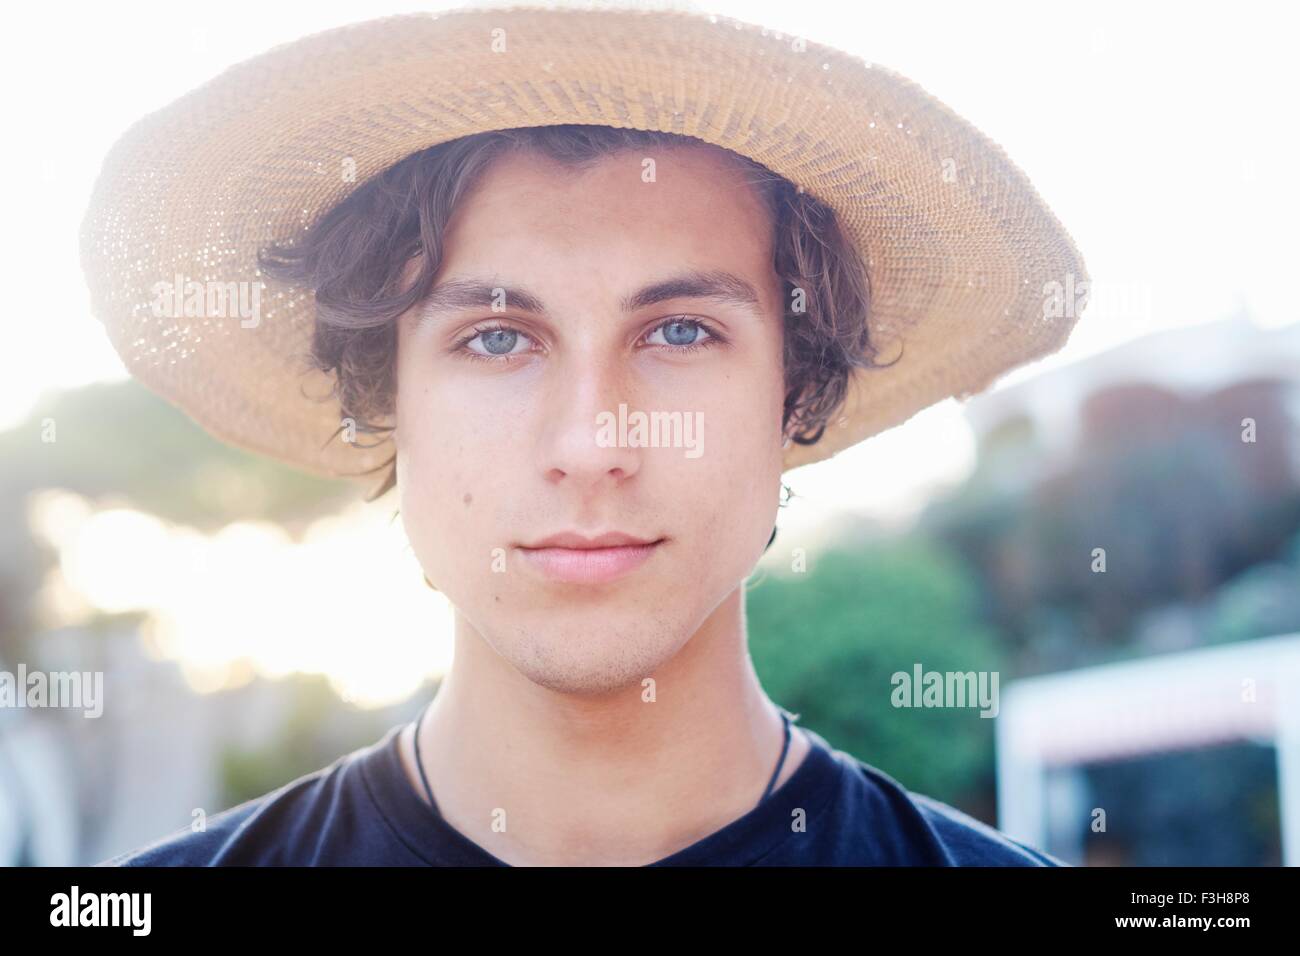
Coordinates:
1176 457
1051 727
1234 367
75 790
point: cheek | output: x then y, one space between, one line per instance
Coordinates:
444 479
747 415
736 482
756 456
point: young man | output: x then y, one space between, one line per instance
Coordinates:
499 298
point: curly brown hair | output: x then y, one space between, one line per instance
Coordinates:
354 258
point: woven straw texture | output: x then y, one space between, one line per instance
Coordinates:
958 245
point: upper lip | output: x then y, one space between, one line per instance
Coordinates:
578 542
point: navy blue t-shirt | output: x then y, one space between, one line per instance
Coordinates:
362 810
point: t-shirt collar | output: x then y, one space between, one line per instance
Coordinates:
741 842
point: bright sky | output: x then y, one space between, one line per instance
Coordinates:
1161 134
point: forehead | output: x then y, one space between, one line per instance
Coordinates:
654 208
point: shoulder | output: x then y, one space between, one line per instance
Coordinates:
925 831
203 845
291 825
971 842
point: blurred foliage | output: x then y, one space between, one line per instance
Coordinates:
1262 601
826 642
121 442
317 730
122 445
1186 512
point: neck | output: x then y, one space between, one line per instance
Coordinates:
537 777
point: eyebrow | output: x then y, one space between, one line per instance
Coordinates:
474 293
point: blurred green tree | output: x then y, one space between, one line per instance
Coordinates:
122 443
826 642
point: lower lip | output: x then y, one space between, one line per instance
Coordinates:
589 565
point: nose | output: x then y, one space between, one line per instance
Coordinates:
574 447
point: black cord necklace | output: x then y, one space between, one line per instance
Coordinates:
785 748
420 763
428 791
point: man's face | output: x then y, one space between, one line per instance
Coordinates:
499 437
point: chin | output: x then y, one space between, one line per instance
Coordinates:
612 659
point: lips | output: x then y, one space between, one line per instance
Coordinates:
576 559
574 541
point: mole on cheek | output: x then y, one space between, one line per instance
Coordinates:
468 499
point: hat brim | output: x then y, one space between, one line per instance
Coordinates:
960 249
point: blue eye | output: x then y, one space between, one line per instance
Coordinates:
681 332
498 341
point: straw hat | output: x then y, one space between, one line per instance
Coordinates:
968 267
